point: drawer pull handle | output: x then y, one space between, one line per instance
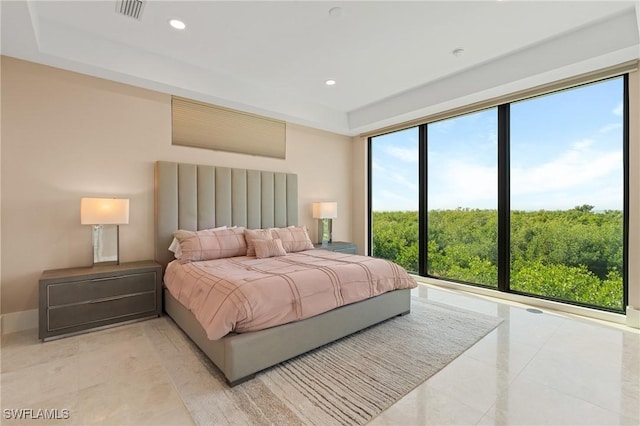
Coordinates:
110 299
106 299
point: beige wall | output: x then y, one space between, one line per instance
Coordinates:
360 191
67 136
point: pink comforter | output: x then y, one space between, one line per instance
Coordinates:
242 294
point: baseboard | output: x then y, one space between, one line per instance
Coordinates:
19 321
633 317
630 318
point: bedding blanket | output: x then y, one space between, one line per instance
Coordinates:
241 294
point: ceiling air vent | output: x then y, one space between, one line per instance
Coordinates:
131 8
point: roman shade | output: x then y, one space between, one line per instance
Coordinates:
201 125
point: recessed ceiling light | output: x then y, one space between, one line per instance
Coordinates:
177 24
330 82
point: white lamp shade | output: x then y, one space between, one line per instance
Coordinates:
104 211
325 210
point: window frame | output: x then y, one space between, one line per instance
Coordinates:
504 210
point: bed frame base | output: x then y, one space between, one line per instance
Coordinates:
242 380
240 356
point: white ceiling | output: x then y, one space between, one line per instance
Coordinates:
392 60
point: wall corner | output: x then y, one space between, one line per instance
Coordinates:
633 317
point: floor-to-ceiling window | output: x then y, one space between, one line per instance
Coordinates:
462 198
394 197
528 196
567 194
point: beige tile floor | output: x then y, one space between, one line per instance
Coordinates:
533 369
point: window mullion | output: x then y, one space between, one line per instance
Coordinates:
504 208
626 210
369 242
423 207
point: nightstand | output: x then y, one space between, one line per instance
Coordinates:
339 246
76 300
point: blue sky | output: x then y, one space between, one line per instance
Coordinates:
566 150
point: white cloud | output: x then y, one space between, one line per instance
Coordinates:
393 201
618 110
582 144
396 187
607 197
610 127
463 184
580 175
388 195
443 126
492 138
403 154
400 179
574 178
570 170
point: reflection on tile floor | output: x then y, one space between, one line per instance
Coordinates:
533 369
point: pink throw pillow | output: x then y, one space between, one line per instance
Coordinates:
294 238
269 248
208 244
252 235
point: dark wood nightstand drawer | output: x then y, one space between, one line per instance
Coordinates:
100 288
101 310
75 300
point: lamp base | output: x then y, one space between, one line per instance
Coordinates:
325 231
106 244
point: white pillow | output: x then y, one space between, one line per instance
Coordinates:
175 247
175 244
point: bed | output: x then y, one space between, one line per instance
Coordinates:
197 197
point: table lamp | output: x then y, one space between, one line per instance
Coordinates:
325 211
105 215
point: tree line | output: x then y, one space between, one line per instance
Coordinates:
574 255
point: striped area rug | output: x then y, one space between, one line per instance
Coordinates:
347 382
